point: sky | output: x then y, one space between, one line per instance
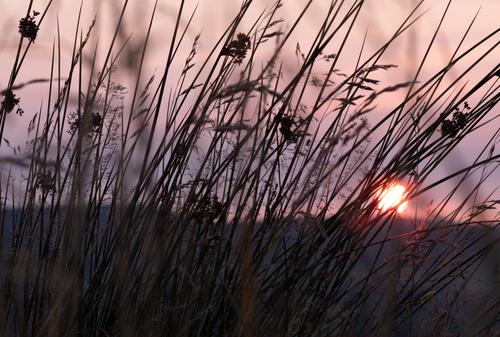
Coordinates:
378 20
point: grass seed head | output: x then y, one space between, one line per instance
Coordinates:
10 100
457 123
237 49
28 27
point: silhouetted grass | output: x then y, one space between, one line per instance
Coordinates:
222 202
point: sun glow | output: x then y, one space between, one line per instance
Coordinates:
393 197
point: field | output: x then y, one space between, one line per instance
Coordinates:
269 182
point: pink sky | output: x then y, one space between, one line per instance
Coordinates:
379 18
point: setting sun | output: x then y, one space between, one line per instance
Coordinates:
393 196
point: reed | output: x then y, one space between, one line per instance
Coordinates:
238 196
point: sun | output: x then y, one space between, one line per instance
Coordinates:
393 197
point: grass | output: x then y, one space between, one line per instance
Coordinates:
236 198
